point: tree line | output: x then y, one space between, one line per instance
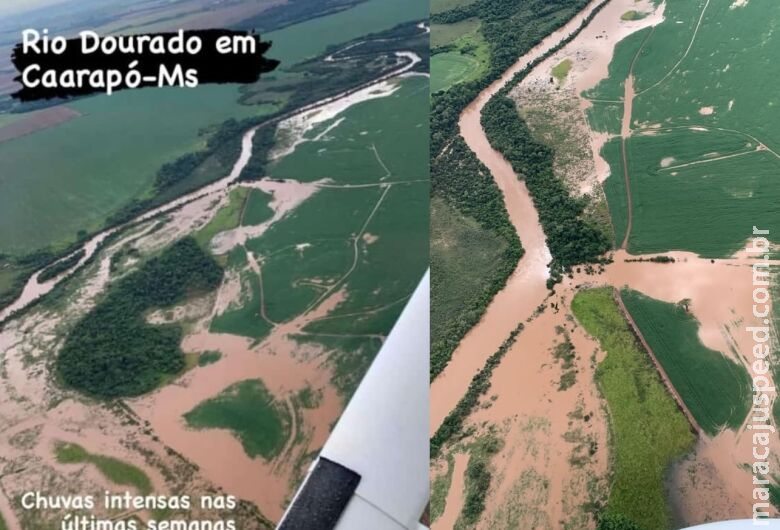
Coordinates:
113 351
510 28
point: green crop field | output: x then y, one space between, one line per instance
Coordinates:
715 389
375 173
648 431
439 6
451 68
699 98
561 70
229 216
307 39
444 34
250 412
116 471
71 177
367 145
257 210
246 319
98 163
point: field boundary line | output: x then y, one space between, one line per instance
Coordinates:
379 159
708 160
684 55
664 377
356 252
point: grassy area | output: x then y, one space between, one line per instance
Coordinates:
257 209
715 389
479 475
209 357
464 57
440 487
244 320
444 34
632 15
228 217
451 68
251 413
462 256
648 430
719 88
561 70
116 471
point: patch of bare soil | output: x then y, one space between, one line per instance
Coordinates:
37 121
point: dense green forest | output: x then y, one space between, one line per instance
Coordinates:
511 28
112 351
570 238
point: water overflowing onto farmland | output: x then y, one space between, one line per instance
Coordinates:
299 368
536 419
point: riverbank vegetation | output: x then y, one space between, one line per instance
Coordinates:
112 351
480 384
572 240
115 470
648 430
170 167
509 29
714 388
61 266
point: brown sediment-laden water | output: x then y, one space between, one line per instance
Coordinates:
31 400
541 424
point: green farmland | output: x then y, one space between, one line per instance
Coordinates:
373 246
700 99
116 471
463 54
97 163
648 431
451 68
715 389
444 34
249 411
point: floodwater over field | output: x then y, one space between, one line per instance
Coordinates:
309 373
527 403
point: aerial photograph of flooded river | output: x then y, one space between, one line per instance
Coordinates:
605 212
193 282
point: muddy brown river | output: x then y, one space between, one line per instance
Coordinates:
525 403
